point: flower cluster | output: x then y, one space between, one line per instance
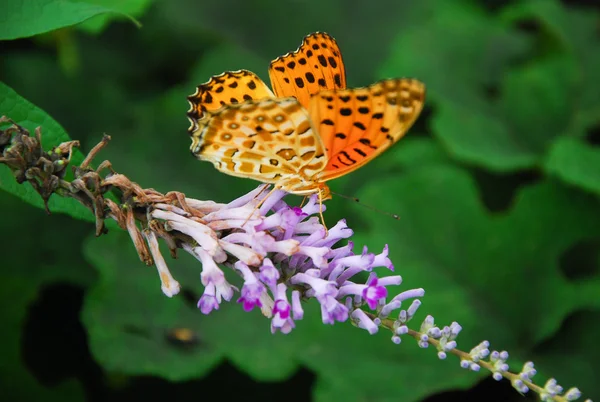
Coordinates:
284 257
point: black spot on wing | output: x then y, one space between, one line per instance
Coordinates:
367 142
349 161
360 152
322 60
338 80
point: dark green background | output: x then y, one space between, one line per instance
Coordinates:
497 186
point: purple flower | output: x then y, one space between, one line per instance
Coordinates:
278 248
372 292
281 312
252 289
208 301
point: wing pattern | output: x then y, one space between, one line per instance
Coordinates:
265 140
356 125
316 65
227 88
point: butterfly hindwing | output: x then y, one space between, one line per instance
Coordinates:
316 65
356 125
265 140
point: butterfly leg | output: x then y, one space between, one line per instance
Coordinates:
266 186
321 213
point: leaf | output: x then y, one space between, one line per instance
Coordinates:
132 8
485 111
498 276
515 131
127 328
127 334
467 51
474 50
567 353
30 117
24 18
34 254
576 163
574 32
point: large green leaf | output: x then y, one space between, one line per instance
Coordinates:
127 317
23 18
574 32
497 275
495 105
575 162
37 250
133 8
516 130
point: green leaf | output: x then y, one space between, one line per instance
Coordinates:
576 163
37 250
24 18
128 317
30 117
565 356
456 49
468 52
515 131
478 135
497 275
127 334
573 31
485 111
132 8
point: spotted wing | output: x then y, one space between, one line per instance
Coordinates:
223 89
316 65
264 140
356 125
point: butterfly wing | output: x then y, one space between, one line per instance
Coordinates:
356 125
265 140
316 65
223 89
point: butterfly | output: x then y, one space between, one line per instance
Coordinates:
311 129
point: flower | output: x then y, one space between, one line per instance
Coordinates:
281 251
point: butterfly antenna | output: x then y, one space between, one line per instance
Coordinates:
372 208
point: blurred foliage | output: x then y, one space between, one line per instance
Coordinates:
497 186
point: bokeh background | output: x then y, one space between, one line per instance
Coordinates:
497 186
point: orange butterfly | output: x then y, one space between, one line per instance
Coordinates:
310 130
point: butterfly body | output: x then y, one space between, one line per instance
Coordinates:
311 130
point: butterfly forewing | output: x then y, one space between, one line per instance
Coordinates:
356 125
265 140
316 65
227 88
